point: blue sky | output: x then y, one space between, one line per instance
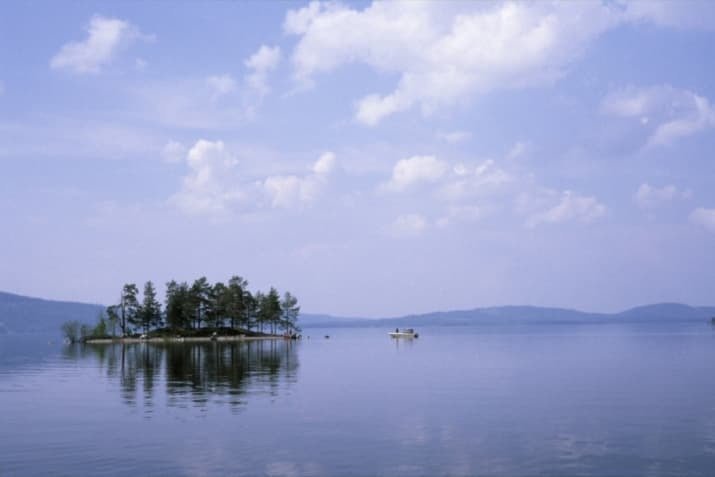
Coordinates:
374 159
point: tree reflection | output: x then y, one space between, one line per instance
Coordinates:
194 374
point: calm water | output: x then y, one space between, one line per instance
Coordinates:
546 400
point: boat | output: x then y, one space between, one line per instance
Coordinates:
405 333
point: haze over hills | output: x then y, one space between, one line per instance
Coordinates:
22 314
661 312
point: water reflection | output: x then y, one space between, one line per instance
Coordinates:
193 374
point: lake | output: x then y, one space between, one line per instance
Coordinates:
591 400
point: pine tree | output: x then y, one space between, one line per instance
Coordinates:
150 310
237 301
112 318
129 307
290 311
200 291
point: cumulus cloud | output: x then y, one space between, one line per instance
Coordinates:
650 197
467 181
210 187
260 64
291 190
570 207
704 217
221 85
666 113
216 187
415 170
105 38
444 53
408 225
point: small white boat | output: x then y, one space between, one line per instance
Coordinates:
405 333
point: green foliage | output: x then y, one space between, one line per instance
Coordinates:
290 310
203 305
85 331
112 319
71 330
129 307
149 313
101 329
200 297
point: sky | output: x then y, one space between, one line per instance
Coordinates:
373 158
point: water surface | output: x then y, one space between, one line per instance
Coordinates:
511 400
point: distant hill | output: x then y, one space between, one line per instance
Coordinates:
22 314
662 312
668 312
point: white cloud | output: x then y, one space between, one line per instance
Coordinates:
454 137
650 197
221 85
408 225
211 187
445 52
667 113
261 63
570 207
215 187
325 164
291 190
704 217
415 170
467 181
173 151
105 38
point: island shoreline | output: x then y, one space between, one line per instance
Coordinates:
184 339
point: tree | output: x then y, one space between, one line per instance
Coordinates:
237 301
176 301
71 330
100 329
217 305
290 311
200 291
270 310
112 318
128 306
85 331
257 316
149 315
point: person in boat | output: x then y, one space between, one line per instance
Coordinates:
397 330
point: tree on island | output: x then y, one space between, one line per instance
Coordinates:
149 313
290 310
203 306
128 306
71 330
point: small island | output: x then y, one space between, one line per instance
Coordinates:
198 312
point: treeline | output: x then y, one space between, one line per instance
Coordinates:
201 305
